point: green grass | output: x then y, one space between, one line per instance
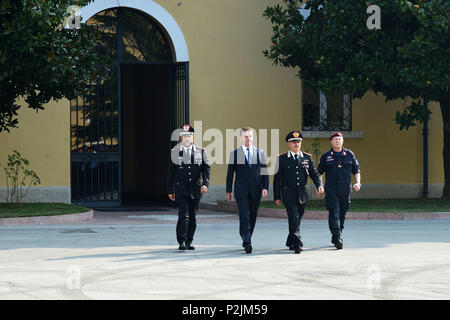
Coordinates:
39 209
379 205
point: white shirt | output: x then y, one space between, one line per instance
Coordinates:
299 154
188 150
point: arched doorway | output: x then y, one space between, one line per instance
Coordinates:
120 132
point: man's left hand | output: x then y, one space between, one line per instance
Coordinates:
357 187
264 193
204 189
320 192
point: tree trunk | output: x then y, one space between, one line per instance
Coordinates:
444 102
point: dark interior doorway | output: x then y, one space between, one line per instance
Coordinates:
120 131
145 132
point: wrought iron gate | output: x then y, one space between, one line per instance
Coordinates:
181 92
96 153
128 36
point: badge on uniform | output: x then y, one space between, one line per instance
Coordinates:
198 158
306 167
305 164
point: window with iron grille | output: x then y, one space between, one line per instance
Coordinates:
322 112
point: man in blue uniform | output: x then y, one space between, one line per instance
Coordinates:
187 180
339 164
292 171
251 183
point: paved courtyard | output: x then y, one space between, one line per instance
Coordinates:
133 255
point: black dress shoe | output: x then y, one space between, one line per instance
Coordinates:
333 239
189 246
337 241
298 249
248 248
340 244
182 247
291 247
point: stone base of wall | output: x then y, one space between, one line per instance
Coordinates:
42 194
368 191
48 220
216 193
231 207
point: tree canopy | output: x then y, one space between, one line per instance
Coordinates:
335 50
40 59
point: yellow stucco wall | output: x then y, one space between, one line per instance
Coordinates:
44 139
386 154
233 85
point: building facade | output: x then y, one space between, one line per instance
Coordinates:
201 62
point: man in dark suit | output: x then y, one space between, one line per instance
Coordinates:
187 179
251 182
292 171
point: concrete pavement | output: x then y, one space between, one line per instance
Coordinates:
138 259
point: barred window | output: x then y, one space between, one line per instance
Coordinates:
320 112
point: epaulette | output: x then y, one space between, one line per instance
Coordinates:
308 154
282 153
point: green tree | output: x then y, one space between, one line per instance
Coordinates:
336 51
40 60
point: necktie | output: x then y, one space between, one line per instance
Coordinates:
296 157
249 158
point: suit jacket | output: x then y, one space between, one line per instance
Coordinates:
186 175
249 181
291 177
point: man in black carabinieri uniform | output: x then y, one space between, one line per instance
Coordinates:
251 182
339 164
292 171
187 180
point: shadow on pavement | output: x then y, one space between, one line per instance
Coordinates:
173 254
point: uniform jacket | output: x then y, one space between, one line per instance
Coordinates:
249 181
291 177
339 170
186 175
